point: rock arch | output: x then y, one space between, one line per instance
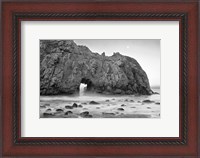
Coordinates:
64 65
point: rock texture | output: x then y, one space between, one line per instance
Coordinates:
64 65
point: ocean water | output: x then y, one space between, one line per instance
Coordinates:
104 106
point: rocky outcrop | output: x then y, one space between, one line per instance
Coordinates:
64 65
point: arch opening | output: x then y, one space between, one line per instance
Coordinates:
85 85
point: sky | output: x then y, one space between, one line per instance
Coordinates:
146 52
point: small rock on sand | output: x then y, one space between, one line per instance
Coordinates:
59 110
123 105
94 102
48 114
147 101
84 113
74 105
68 107
80 106
48 110
157 103
148 107
68 112
42 106
121 109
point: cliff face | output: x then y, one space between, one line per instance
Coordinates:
64 65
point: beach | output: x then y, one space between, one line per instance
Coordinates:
87 105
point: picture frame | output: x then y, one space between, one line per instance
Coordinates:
187 144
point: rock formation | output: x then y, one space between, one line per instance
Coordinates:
64 65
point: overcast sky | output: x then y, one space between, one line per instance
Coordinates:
146 52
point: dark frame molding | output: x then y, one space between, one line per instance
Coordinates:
95 141
186 12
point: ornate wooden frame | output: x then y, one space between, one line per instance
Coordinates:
15 145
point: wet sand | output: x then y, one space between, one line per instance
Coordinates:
100 106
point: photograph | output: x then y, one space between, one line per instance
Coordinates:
100 78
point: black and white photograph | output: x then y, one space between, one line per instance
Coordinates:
100 78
